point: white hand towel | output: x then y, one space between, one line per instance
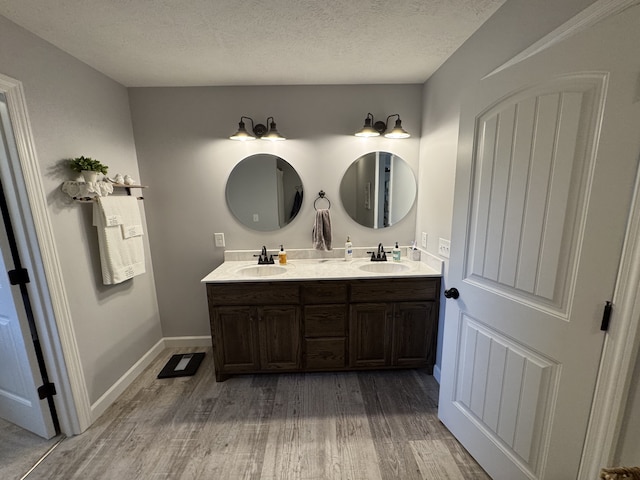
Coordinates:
129 231
119 238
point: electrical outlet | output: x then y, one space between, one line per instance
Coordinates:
219 239
424 240
444 246
256 217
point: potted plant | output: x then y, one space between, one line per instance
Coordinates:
88 167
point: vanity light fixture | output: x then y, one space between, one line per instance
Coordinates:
258 131
272 134
397 131
374 129
368 130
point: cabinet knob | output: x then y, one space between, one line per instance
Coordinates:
452 293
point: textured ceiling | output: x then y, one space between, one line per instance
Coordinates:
249 42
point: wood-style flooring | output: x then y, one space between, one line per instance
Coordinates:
20 450
365 425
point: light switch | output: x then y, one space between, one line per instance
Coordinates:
444 246
424 240
219 239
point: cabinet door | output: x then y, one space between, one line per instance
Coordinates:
414 334
280 338
370 334
235 340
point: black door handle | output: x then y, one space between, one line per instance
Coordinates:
452 293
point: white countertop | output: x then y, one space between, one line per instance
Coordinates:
316 269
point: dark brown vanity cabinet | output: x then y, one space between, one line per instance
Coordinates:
255 327
394 324
327 325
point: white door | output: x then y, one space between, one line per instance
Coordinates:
19 373
548 155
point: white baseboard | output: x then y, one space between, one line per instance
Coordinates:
436 373
123 382
171 342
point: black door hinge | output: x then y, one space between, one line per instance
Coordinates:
19 276
46 390
606 316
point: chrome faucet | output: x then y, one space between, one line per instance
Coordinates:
381 255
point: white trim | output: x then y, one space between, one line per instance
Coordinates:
173 342
436 373
620 352
75 418
111 395
591 15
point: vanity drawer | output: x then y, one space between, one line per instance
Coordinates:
395 290
255 293
325 320
325 353
324 292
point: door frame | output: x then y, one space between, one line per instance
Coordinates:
622 342
53 313
619 354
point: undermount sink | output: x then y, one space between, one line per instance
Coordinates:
384 267
262 270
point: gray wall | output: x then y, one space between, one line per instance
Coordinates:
515 26
74 110
185 155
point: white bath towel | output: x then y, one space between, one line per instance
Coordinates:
119 227
322 230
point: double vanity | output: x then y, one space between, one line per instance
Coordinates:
322 315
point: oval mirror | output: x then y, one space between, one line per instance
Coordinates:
378 189
264 192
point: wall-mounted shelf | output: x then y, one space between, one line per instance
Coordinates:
87 193
129 187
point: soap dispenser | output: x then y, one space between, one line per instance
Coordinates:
396 253
282 256
348 250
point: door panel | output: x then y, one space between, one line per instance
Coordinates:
531 156
548 155
19 374
369 330
413 328
280 338
507 390
236 339
19 371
